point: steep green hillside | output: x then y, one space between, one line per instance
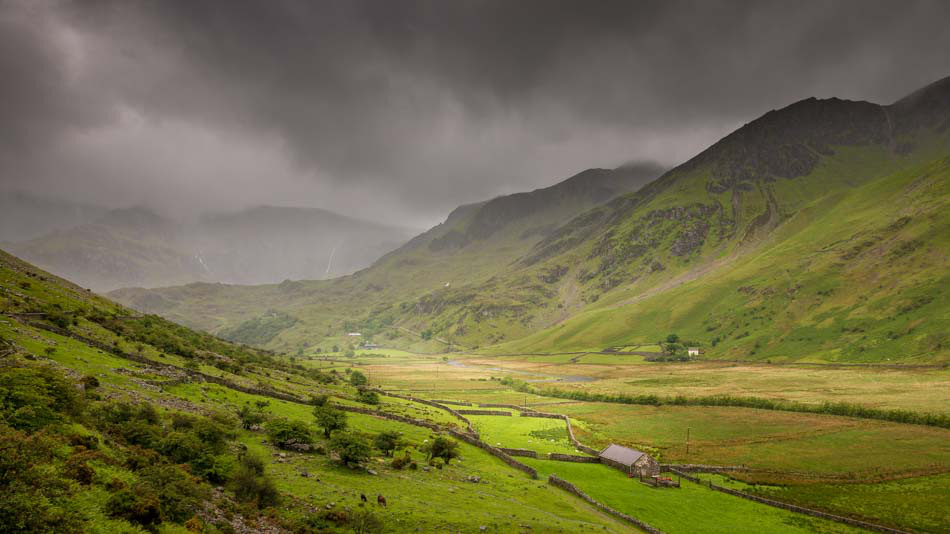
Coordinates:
816 231
473 244
115 422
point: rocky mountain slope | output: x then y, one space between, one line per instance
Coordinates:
816 231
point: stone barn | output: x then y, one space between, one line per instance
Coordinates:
630 461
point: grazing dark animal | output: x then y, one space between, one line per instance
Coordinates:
363 497
381 500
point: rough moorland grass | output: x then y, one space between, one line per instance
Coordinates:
827 408
691 508
922 389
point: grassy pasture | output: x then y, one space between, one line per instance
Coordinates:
691 508
766 439
540 435
919 503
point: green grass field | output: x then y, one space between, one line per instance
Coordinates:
919 503
690 508
532 433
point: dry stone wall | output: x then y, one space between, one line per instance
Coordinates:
573 458
454 403
434 404
472 440
519 452
554 480
567 420
790 507
484 412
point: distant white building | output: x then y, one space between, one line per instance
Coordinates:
692 351
354 334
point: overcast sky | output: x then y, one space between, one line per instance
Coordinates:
399 111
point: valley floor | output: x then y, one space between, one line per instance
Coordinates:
881 471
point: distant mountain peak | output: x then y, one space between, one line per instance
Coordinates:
136 217
927 107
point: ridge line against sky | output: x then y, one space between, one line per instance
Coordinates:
399 111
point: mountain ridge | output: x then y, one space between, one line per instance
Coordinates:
138 247
715 214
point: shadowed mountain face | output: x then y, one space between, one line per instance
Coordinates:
762 246
136 247
537 213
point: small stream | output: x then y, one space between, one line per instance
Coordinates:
540 376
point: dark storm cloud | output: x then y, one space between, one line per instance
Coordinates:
401 110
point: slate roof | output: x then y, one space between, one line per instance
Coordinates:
621 455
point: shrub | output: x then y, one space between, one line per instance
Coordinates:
368 397
32 398
401 461
138 504
79 470
89 382
283 433
179 493
33 498
358 379
365 522
351 448
251 485
249 417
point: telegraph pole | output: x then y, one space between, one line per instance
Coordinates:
687 443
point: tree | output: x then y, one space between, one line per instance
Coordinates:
284 433
387 442
358 379
351 448
319 400
369 396
426 334
250 418
672 338
443 447
329 419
